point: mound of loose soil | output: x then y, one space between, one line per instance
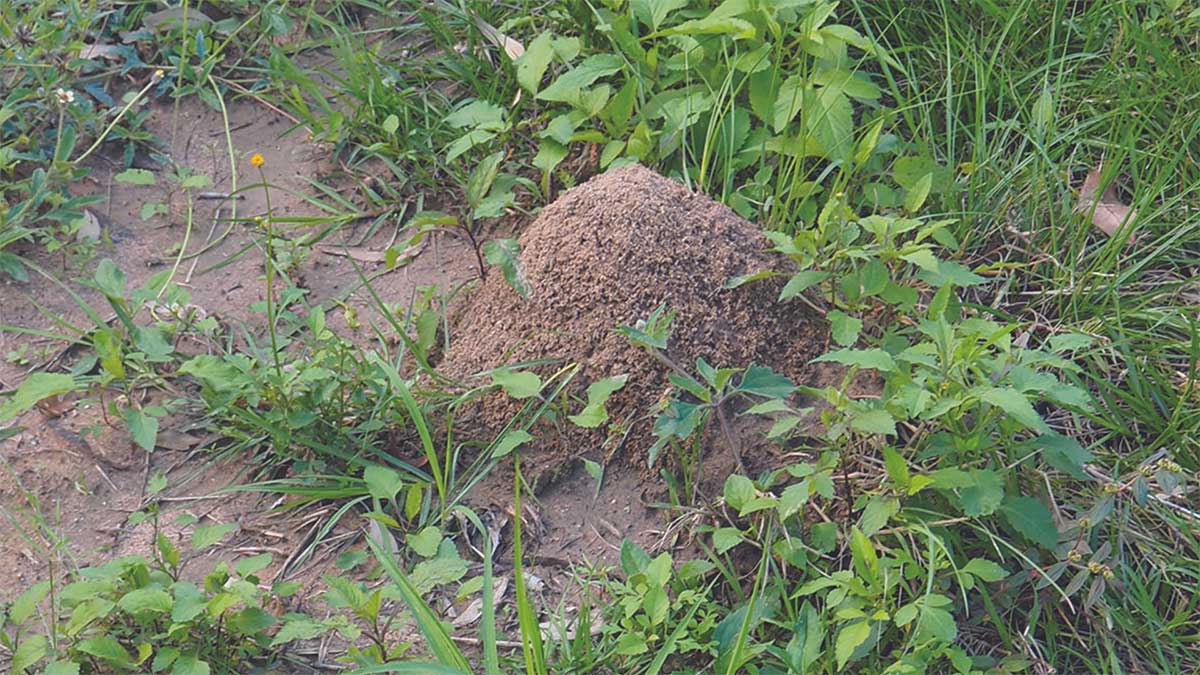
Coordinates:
605 254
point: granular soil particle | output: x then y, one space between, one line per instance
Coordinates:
606 254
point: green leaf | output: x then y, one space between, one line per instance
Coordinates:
30 650
794 497
298 628
918 193
831 122
631 643
511 441
142 427
594 413
189 602
390 124
106 648
568 85
109 279
146 600
1032 520
984 494
875 421
762 381
253 564
848 639
1016 405
897 467
652 12
875 358
845 328
477 114
36 387
517 383
479 183
425 543
135 177
382 482
726 538
57 668
251 621
503 253
208 535
985 570
738 491
802 281
787 103
531 65
1064 453
26 604
877 513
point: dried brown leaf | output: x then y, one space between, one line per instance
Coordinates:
100 51
359 253
1109 214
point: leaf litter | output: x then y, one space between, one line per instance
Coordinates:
1108 213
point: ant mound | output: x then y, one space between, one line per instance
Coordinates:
606 254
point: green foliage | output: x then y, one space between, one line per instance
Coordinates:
134 614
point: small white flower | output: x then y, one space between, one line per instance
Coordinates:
65 96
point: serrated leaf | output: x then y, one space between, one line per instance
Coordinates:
531 66
918 193
518 384
425 543
566 87
1016 405
1064 453
844 328
149 600
511 441
298 629
26 604
594 413
382 482
802 281
877 513
504 253
28 652
36 387
876 421
142 427
984 494
253 564
106 648
208 535
652 12
875 358
986 570
726 538
135 177
848 639
1032 520
831 121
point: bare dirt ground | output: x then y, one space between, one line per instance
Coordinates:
84 474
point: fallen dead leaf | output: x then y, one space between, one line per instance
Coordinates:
474 610
359 253
89 227
100 51
56 406
1109 214
366 255
178 441
513 48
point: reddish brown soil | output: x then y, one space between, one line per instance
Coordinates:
606 254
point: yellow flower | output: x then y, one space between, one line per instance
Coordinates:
256 160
